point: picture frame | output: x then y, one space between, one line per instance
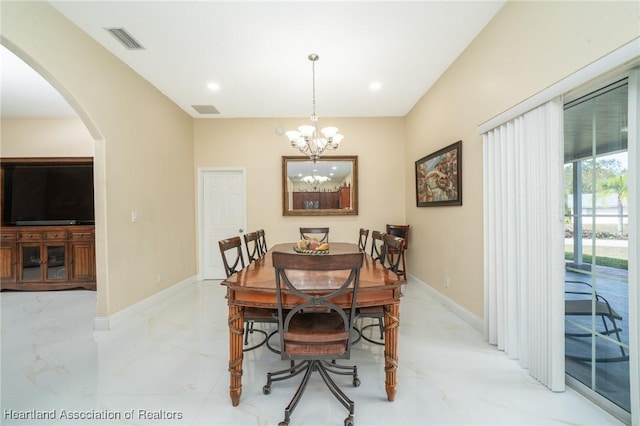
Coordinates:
439 177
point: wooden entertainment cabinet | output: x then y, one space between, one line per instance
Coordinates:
339 199
49 254
47 257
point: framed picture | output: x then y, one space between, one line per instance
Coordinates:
439 177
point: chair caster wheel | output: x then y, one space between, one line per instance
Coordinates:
283 423
356 382
266 389
348 421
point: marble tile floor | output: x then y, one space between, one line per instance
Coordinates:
167 365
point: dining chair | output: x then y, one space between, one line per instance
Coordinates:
252 244
394 248
231 252
401 231
321 234
262 240
233 261
374 312
362 239
389 261
377 246
315 332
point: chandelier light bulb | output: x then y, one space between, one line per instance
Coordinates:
293 135
335 141
328 132
306 131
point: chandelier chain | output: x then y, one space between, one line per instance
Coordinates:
313 80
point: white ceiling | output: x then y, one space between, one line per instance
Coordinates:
26 94
256 52
336 170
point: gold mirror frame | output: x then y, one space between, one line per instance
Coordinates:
337 197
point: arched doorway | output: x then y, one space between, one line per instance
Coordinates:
38 121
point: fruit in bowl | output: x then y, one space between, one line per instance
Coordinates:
312 244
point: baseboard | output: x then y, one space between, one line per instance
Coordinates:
458 310
108 322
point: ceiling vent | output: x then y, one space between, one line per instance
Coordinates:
206 109
125 38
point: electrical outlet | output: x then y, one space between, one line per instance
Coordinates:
160 278
134 216
446 282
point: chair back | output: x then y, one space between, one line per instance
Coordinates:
232 258
394 254
377 246
400 231
315 327
262 241
321 234
252 244
362 239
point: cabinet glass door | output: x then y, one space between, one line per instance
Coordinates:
56 262
31 262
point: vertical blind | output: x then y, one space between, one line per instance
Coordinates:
524 241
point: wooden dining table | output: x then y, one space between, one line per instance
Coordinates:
254 286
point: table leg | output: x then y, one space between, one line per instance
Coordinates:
236 322
391 322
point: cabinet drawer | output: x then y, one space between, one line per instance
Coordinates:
58 234
8 237
29 235
81 235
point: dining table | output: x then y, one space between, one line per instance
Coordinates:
255 286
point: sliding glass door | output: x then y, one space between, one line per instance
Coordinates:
596 242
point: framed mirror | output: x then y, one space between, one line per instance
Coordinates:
327 188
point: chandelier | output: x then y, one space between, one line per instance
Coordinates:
307 139
315 181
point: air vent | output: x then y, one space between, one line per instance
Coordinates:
206 109
125 38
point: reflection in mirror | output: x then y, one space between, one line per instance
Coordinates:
327 188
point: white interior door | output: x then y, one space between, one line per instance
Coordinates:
222 215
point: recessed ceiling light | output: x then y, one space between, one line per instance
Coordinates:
213 86
376 85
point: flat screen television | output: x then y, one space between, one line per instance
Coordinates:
47 194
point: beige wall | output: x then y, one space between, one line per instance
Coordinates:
527 47
254 145
45 138
143 155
